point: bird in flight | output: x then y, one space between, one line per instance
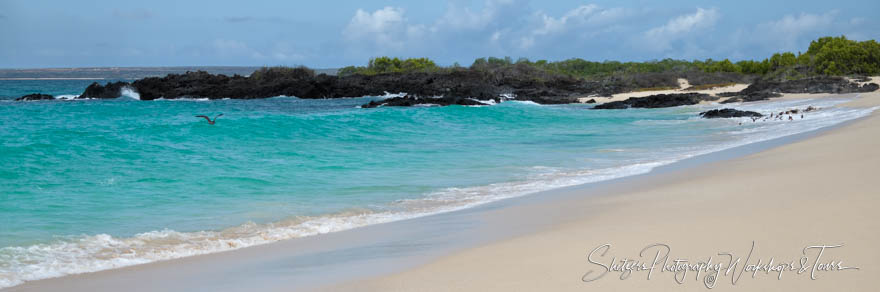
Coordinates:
210 121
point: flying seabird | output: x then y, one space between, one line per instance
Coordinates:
210 121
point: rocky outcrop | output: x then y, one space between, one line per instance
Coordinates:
110 90
729 113
862 79
767 89
523 82
300 83
754 96
820 84
592 100
413 101
658 101
35 96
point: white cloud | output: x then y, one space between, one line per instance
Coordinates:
786 33
686 29
552 25
789 33
457 18
585 19
500 25
495 36
685 24
796 25
383 26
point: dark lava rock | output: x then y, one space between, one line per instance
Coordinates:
527 83
820 84
658 101
35 96
412 101
729 113
110 90
524 82
592 100
754 96
766 89
612 105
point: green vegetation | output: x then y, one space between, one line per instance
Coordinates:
840 56
382 65
584 68
825 56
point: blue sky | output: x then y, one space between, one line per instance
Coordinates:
320 34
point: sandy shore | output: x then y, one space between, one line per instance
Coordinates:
820 191
683 86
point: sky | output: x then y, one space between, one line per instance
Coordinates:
331 34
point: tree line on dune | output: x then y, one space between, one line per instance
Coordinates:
825 56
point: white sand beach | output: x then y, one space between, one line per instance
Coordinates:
683 87
820 191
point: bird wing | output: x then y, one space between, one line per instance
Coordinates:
220 115
205 117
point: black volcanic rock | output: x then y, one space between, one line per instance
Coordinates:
524 83
592 100
35 96
658 101
861 79
820 84
110 90
412 101
728 113
754 96
613 105
766 89
205 85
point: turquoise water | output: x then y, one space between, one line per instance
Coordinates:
97 184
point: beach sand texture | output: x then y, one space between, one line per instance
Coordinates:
820 191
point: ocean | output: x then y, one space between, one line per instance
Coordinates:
89 185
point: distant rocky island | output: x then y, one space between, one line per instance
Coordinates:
831 65
125 73
460 86
463 87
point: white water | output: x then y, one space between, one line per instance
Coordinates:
131 93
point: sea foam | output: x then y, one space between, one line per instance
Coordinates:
131 93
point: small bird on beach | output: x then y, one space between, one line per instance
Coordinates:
210 121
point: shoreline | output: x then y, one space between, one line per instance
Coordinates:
780 200
260 255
